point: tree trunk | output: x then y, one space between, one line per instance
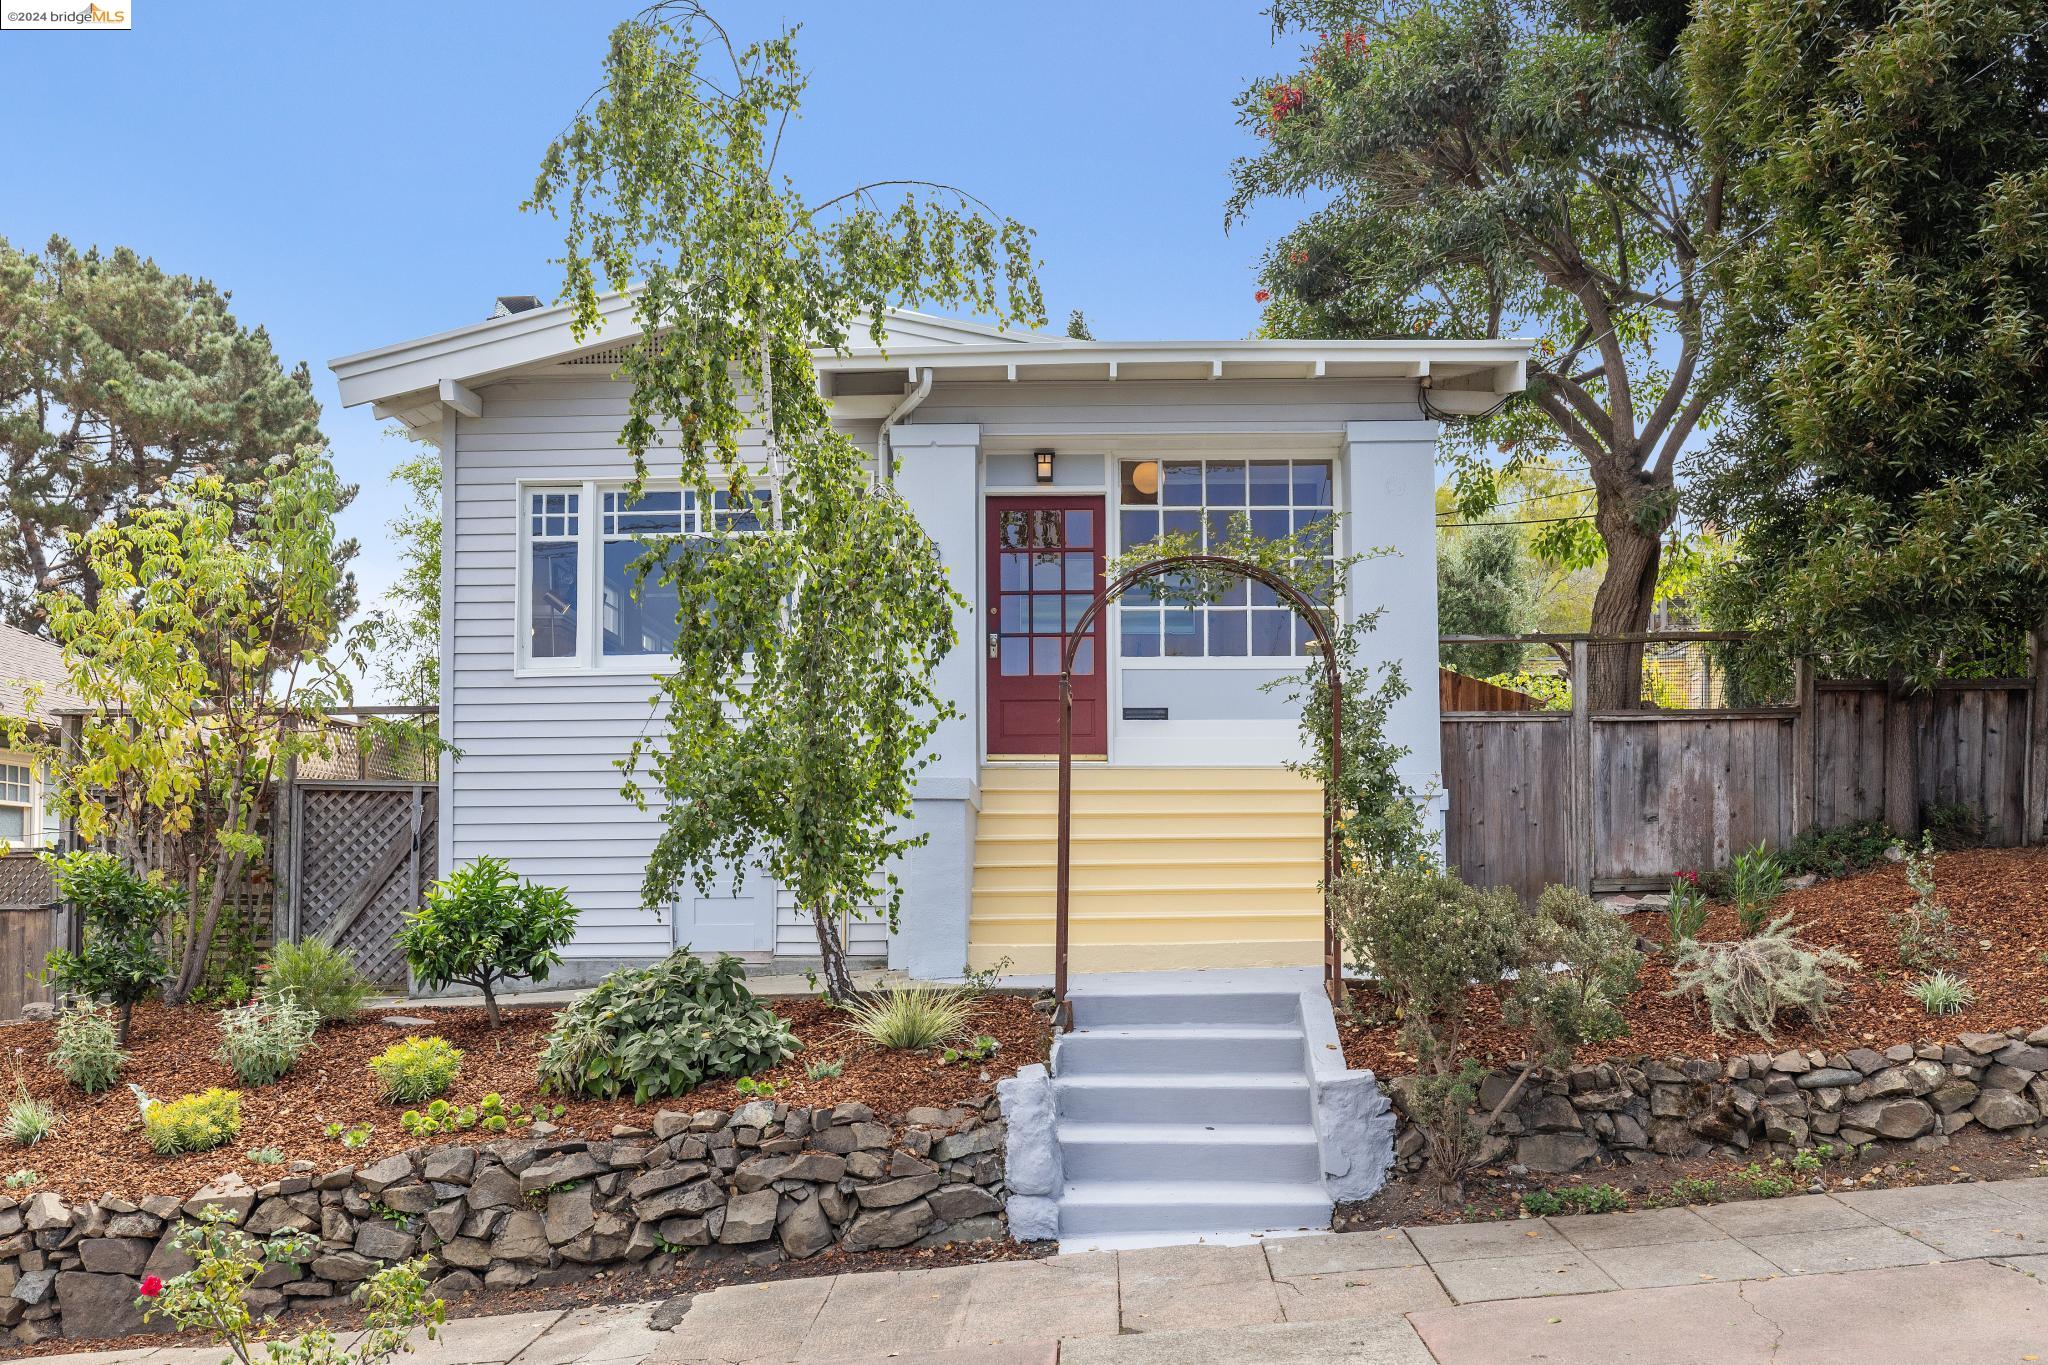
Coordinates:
490 1002
1621 607
832 957
192 971
1901 759
123 1017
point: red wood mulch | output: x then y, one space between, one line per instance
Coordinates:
98 1147
1997 898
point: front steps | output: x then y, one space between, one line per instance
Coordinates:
1184 1115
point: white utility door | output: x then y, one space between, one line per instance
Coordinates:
726 920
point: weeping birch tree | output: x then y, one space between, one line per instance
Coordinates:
799 706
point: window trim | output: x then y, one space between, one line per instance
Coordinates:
1275 664
590 660
36 833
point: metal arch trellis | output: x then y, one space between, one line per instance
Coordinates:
1305 607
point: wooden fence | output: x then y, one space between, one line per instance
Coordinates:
1619 800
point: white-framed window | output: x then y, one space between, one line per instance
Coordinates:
585 607
1201 497
17 804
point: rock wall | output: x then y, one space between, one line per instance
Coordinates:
759 1185
1914 1096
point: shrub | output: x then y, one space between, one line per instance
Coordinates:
1748 982
192 1123
1579 964
908 1018
1427 938
482 925
1840 851
1952 825
324 979
259 1041
1687 914
118 959
663 1030
29 1120
1942 993
415 1069
1754 880
1926 934
88 1050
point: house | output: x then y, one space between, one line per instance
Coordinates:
1031 460
34 686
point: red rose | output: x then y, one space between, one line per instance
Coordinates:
152 1285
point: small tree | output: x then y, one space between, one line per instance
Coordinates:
1579 966
1429 941
481 925
204 660
118 960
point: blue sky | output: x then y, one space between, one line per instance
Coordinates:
352 172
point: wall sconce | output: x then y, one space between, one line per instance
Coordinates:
1044 458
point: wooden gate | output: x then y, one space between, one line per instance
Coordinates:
361 854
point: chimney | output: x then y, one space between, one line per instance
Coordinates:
508 304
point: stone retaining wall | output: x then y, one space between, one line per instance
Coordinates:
759 1185
1913 1097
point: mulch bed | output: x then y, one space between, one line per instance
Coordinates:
98 1148
1997 898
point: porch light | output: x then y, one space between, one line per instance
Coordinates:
1145 477
1044 458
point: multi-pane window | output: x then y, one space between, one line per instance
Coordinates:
640 617
17 799
554 535
1201 499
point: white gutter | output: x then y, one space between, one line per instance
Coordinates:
896 414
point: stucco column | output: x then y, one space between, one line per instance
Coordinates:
1390 500
938 474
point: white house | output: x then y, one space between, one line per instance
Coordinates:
1030 459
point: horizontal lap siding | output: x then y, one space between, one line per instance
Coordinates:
536 781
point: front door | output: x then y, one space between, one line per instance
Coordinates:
1044 568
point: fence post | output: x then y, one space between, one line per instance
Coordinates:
2036 782
284 869
1805 743
1581 786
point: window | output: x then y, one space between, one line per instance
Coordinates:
570 555
17 799
1201 498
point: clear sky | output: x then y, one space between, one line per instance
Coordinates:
352 172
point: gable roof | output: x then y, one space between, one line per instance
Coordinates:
29 662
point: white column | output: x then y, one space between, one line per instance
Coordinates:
1390 469
938 474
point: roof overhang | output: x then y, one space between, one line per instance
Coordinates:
417 380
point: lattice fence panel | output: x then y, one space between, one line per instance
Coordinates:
348 836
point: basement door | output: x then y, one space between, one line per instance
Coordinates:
1045 557
728 918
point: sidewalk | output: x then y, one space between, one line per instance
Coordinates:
1935 1273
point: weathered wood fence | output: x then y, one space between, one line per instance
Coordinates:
1619 800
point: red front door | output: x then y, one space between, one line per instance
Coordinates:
1044 568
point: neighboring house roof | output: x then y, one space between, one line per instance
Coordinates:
29 663
415 381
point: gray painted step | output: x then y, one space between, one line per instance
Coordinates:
1260 1153
1137 1049
1217 1097
1125 1208
1190 1007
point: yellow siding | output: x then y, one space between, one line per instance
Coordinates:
1172 868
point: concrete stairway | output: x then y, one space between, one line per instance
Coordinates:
1184 1114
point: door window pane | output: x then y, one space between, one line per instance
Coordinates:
1015 571
1045 572
1016 656
1080 530
1015 604
1045 655
1080 573
1084 659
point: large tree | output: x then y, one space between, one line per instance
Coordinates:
1496 168
118 383
1888 477
800 703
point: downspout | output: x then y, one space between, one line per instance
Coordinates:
909 404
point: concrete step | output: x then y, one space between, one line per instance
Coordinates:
1173 1208
1148 1049
1256 1152
1218 1097
1093 1008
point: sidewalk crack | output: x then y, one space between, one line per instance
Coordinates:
1777 1328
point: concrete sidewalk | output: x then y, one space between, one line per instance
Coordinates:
1935 1273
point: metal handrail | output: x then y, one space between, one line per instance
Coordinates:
1305 607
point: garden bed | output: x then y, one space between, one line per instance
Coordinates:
1997 898
97 1147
